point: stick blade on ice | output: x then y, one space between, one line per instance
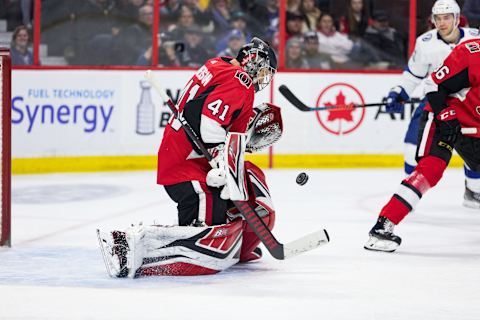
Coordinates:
306 243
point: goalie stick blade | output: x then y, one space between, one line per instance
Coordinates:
306 243
278 250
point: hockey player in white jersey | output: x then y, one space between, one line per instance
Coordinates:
431 49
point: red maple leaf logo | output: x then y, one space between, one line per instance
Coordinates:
344 110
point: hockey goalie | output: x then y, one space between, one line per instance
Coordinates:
200 248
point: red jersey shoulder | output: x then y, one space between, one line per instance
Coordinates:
472 45
460 58
462 53
226 73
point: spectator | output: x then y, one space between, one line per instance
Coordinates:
293 6
312 14
134 40
471 9
236 39
195 54
202 16
238 21
314 58
128 9
167 53
386 40
293 57
264 17
92 17
294 25
357 19
332 42
220 11
186 19
169 13
21 55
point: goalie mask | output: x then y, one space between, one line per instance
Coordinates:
258 59
265 128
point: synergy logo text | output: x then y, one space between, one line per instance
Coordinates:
88 109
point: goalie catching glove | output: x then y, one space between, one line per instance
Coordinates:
265 128
263 131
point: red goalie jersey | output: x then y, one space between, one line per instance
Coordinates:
457 85
217 99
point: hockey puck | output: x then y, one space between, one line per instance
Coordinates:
302 178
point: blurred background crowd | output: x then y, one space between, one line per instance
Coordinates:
319 34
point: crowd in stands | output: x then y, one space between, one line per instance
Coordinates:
119 32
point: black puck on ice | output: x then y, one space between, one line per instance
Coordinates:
302 178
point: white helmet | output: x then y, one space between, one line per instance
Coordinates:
444 7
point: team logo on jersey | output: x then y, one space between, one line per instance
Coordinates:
244 78
427 37
478 109
345 119
473 32
473 47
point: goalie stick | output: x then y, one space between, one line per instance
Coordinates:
277 250
288 94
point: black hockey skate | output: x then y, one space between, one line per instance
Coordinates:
471 199
382 237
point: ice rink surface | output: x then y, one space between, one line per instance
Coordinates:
55 271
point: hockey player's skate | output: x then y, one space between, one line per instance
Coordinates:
382 237
471 199
114 248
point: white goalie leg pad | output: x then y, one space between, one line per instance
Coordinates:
180 250
135 236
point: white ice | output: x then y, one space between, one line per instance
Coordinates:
54 269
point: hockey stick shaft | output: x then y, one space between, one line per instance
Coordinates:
276 249
288 94
293 99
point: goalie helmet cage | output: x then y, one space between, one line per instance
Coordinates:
5 145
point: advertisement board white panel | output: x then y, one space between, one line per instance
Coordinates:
113 112
357 131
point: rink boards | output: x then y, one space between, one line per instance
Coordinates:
91 120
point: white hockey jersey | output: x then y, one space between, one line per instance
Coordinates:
430 51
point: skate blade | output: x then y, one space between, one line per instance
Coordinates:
471 204
112 264
375 244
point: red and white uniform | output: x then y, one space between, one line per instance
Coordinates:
217 99
458 82
453 91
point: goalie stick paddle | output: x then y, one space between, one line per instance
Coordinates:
288 94
277 250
